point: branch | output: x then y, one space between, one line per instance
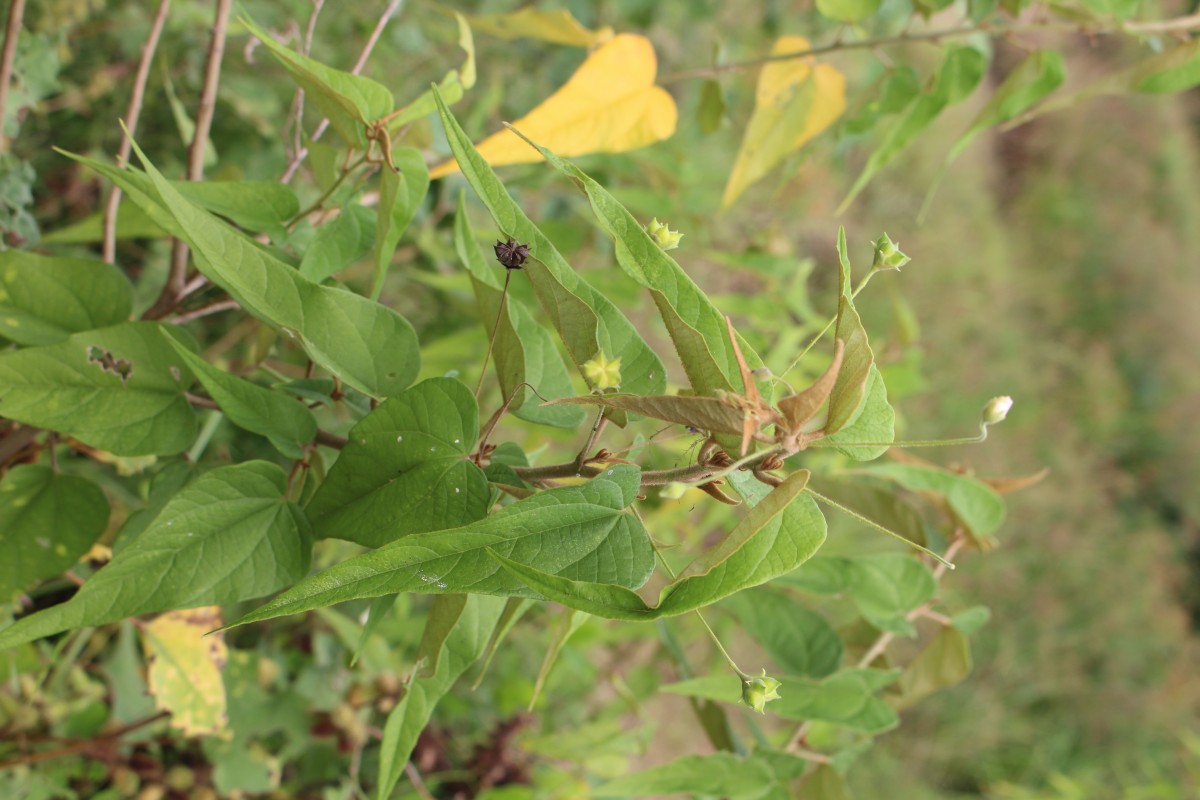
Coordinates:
302 154
176 279
1175 25
16 12
82 744
109 247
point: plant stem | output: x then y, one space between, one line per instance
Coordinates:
1178 24
320 201
712 634
812 342
132 114
866 521
495 328
81 745
12 32
177 277
915 443
302 154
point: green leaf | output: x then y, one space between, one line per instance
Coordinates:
1172 70
45 299
587 321
961 71
132 223
976 505
845 698
848 10
400 195
285 421
697 329
405 469
339 243
711 110
461 648
883 587
556 27
370 347
945 662
255 205
716 775
875 423
972 619
578 531
780 533
800 641
47 522
877 500
567 624
443 616
230 535
850 390
524 351
823 783
119 389
705 413
1038 74
349 101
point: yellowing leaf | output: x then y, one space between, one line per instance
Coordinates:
609 105
558 27
185 670
796 100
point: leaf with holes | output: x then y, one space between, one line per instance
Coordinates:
119 389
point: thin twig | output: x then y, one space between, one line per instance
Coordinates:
132 114
82 744
495 328
16 13
177 277
1175 25
216 307
296 115
298 159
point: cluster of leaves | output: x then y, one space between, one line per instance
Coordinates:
381 454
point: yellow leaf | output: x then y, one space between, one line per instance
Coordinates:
185 670
796 100
558 27
609 105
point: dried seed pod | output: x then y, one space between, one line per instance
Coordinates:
511 254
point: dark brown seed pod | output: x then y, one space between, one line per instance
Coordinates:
511 254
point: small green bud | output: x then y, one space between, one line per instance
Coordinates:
662 235
996 410
888 255
602 372
758 691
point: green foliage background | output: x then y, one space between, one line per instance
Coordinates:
1056 264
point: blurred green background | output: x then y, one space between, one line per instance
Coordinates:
1057 264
